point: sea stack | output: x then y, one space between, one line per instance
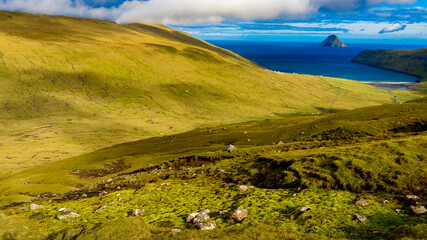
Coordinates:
333 41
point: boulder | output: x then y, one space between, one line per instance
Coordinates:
362 202
35 206
243 188
209 225
238 215
70 215
418 210
176 230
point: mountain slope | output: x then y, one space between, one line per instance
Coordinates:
72 85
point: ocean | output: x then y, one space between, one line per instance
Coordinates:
310 58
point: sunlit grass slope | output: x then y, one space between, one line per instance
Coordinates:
73 85
367 138
325 162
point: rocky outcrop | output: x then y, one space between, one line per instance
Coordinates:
333 41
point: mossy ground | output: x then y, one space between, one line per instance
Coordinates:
325 162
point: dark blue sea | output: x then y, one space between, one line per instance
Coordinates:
310 58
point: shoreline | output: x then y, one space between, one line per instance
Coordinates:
394 85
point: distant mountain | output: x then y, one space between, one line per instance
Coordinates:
333 41
412 62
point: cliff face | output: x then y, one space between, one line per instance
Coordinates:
333 41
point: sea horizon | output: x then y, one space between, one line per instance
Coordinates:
310 58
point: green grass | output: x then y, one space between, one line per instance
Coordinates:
86 84
85 100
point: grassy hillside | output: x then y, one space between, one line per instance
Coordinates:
325 162
413 62
69 86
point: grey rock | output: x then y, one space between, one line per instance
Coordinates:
111 203
191 216
201 217
231 148
361 218
362 202
100 208
243 188
70 215
401 211
223 212
418 210
176 230
137 212
411 197
34 206
305 209
204 226
238 215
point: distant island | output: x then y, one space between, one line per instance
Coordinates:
333 41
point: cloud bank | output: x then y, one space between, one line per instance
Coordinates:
393 28
192 11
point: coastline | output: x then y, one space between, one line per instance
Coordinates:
394 85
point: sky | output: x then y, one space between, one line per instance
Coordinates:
375 21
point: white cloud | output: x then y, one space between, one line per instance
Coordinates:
189 11
393 28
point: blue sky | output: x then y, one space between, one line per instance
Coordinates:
385 21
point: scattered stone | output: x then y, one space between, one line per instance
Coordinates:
305 209
231 148
176 230
252 187
23 208
84 195
362 202
361 218
201 217
137 212
412 197
418 210
204 226
110 180
63 209
70 215
386 201
223 212
34 206
191 216
294 195
102 193
243 188
100 208
110 217
185 183
400 211
229 185
278 143
111 203
238 215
